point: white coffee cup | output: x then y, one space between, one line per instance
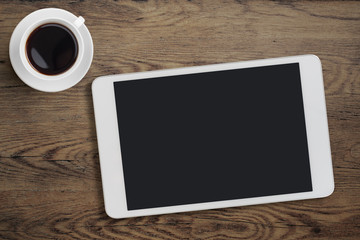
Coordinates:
36 79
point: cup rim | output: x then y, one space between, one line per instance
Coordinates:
35 79
35 25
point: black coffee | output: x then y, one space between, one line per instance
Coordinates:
52 49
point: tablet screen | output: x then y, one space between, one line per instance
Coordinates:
213 136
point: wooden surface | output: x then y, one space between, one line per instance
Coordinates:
50 183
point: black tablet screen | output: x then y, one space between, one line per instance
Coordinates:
213 136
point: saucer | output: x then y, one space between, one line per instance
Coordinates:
24 70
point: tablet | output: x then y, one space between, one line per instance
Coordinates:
213 136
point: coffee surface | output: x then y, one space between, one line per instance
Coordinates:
52 49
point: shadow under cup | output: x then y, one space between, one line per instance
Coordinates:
51 49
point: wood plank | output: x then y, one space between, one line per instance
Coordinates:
47 214
50 183
157 35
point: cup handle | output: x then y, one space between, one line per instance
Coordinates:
79 22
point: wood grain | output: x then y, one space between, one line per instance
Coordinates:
50 183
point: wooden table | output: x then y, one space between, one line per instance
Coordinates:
50 183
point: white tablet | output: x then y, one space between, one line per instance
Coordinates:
213 136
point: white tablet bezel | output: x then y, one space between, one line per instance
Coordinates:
316 127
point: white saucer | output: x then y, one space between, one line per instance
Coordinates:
40 81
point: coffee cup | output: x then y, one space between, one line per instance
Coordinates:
51 49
